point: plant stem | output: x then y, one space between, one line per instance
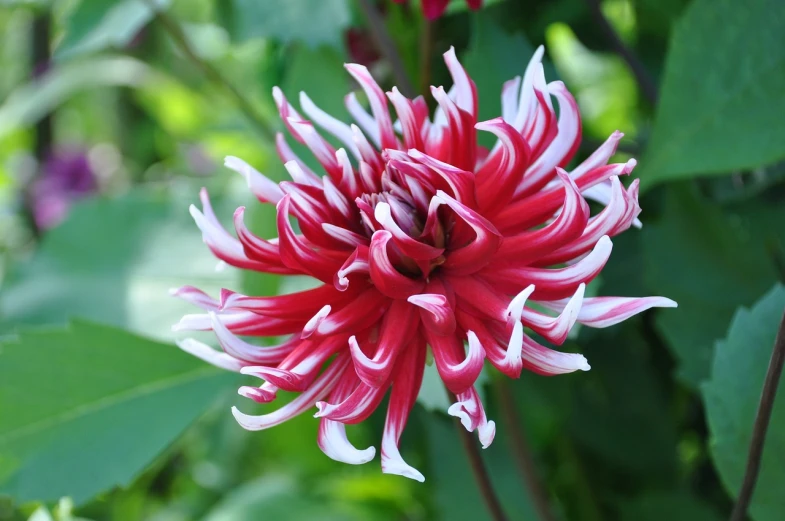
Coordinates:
386 46
642 76
521 451
761 425
478 469
41 32
180 39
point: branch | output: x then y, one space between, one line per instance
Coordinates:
522 453
645 82
761 425
181 40
478 469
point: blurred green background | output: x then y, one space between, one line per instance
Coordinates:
111 119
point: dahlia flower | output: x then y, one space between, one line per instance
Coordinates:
421 240
433 9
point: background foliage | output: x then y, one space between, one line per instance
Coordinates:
101 417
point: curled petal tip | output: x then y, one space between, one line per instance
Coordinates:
487 433
515 308
322 409
313 324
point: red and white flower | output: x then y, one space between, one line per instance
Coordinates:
421 239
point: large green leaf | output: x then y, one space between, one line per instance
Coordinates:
671 505
731 397
282 497
314 22
95 25
721 105
86 408
113 261
710 265
620 410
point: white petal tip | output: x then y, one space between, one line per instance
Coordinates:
358 457
456 410
487 433
401 469
322 408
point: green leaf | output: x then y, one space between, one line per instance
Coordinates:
113 261
86 408
710 265
29 103
313 22
731 397
721 105
620 410
279 496
601 83
95 25
673 506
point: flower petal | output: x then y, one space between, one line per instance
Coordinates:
397 328
407 381
320 388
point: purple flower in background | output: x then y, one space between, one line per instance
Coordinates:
65 176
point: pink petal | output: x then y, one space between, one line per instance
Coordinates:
602 312
320 388
470 411
385 277
210 355
332 435
378 102
457 370
262 187
397 328
408 379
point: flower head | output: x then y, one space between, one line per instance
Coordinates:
433 9
421 239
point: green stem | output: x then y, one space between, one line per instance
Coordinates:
521 451
761 426
478 469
